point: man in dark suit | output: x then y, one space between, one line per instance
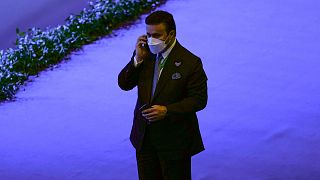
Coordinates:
172 87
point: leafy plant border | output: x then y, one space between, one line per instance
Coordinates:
37 50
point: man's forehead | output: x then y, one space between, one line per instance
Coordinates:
157 28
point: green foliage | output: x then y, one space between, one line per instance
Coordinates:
37 50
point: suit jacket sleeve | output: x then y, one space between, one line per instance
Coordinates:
196 93
129 75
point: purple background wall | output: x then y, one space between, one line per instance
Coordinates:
262 120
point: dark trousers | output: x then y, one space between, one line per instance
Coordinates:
152 166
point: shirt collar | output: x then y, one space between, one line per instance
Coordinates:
167 52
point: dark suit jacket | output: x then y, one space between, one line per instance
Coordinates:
183 97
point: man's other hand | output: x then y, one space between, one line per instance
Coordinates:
155 113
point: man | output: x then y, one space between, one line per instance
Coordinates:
172 87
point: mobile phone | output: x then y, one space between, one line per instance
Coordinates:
146 47
144 107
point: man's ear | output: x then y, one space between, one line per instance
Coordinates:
172 34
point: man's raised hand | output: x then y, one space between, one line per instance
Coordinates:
141 48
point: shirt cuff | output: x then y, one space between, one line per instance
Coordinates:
135 62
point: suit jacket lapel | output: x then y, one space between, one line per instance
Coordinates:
167 71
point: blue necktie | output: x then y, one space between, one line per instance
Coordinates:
156 73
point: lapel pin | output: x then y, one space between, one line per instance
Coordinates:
176 75
177 63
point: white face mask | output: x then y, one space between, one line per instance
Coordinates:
156 45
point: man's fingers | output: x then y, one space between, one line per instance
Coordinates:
140 43
153 118
150 114
148 110
142 38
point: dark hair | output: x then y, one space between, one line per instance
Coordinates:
158 17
